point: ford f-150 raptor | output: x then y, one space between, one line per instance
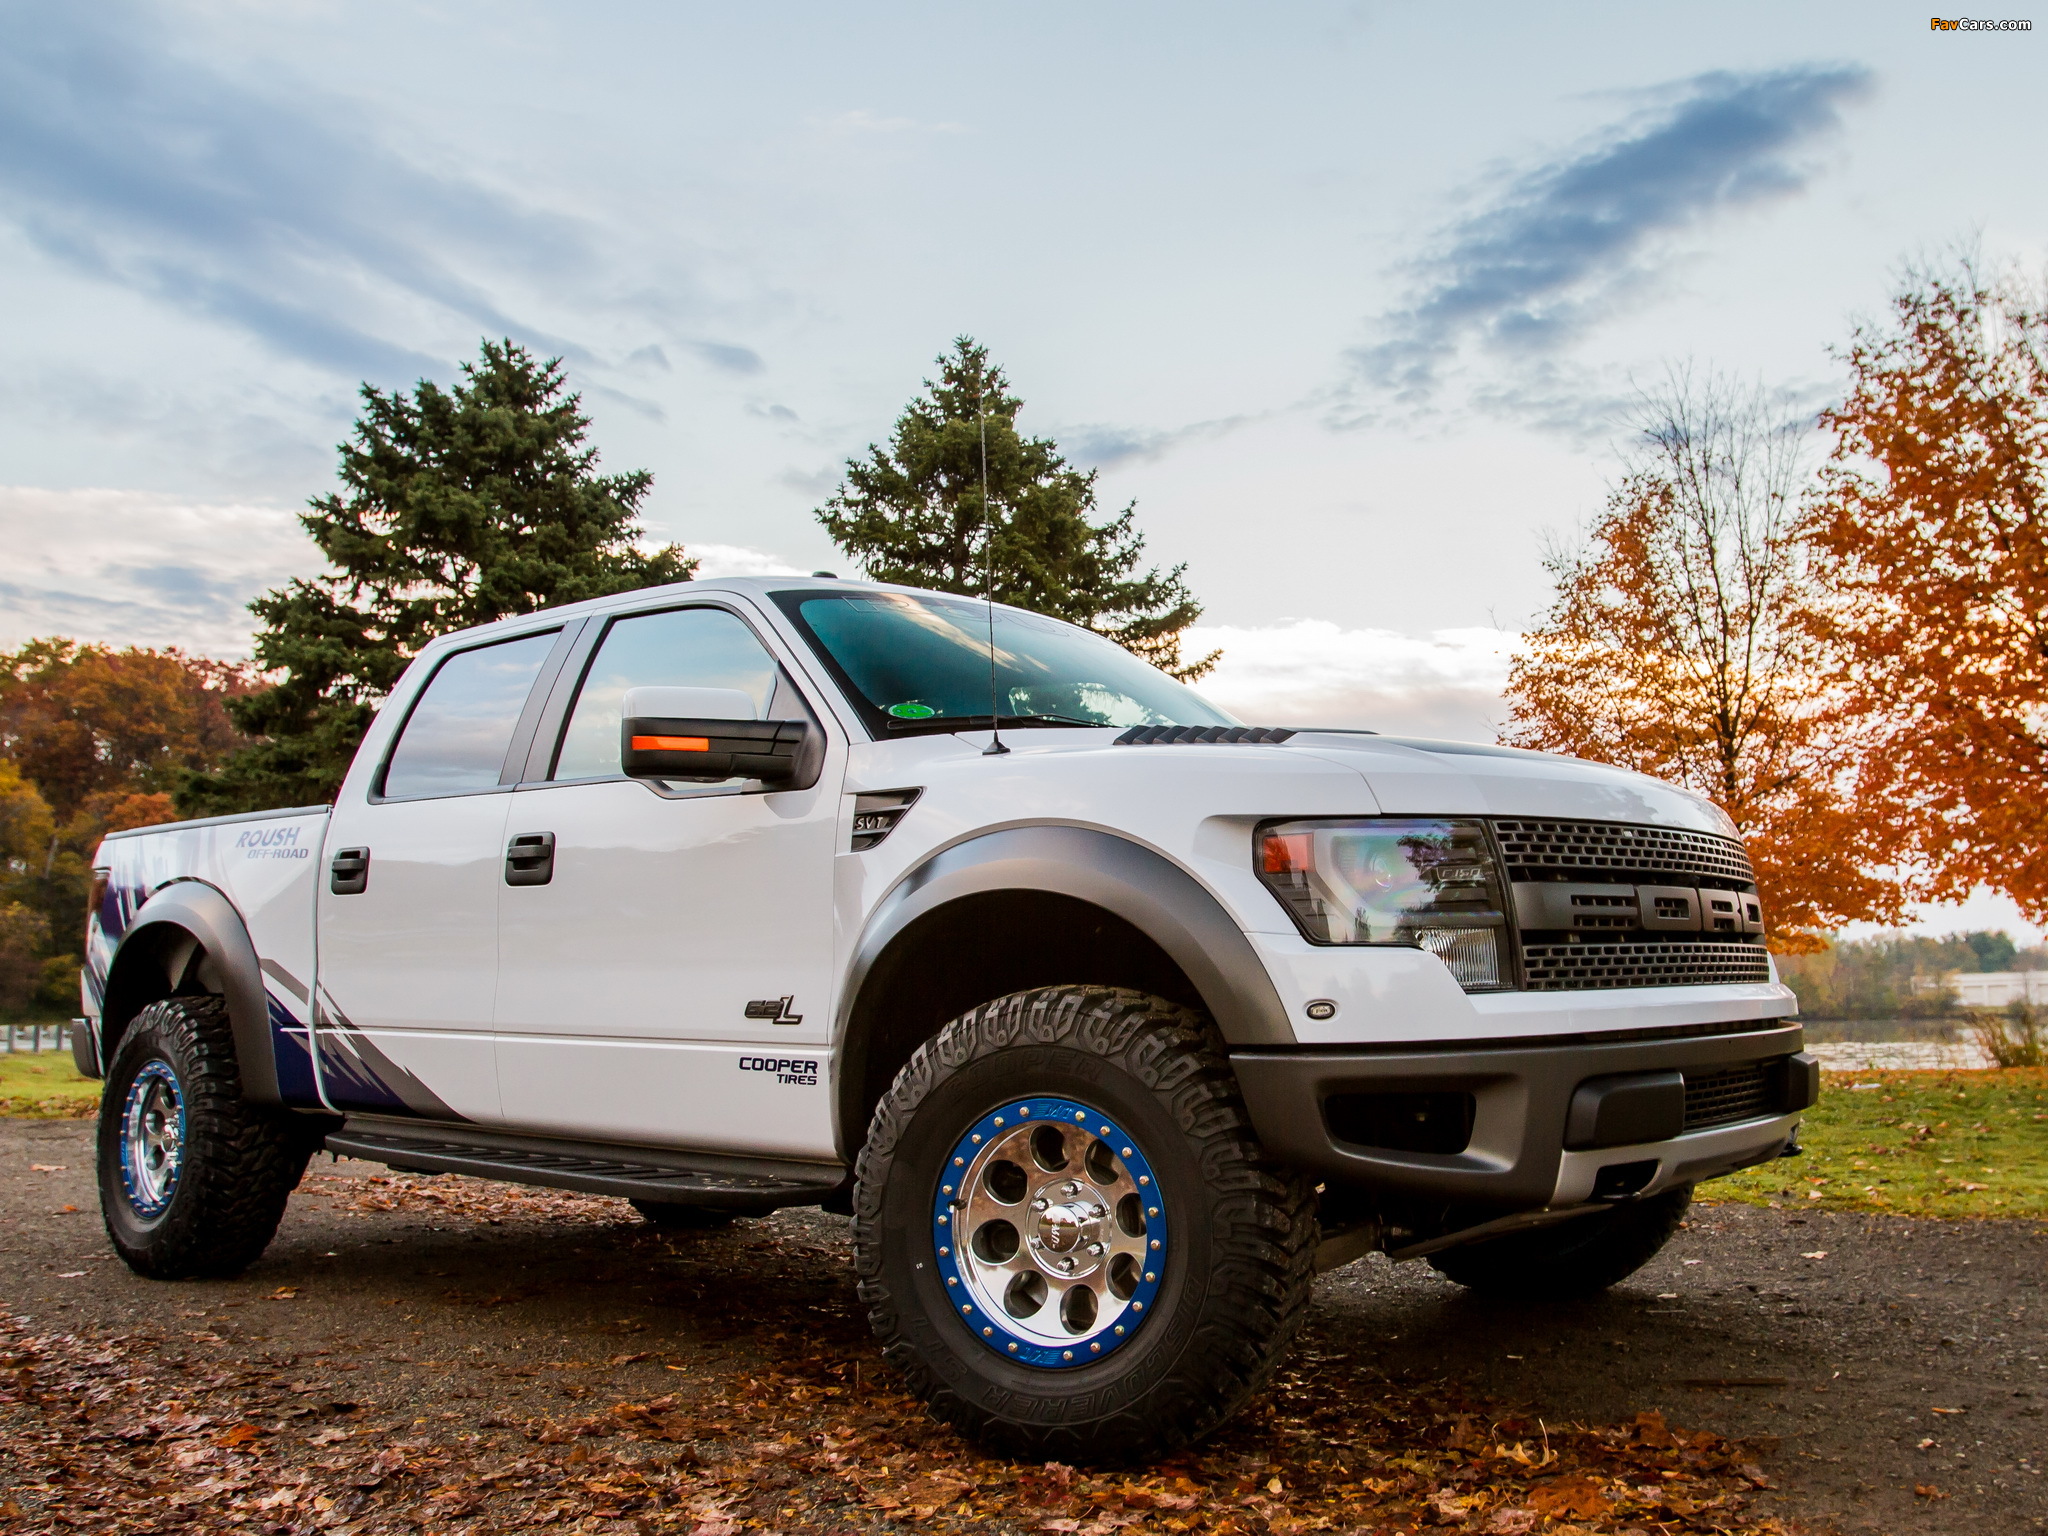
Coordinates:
1108 1020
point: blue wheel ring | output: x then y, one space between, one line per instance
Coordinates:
1084 1203
152 1139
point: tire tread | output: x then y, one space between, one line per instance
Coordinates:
1264 1243
242 1162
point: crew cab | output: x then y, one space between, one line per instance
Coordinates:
1109 1019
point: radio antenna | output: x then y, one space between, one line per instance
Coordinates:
995 747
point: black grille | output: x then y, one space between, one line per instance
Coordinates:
1587 967
1589 849
1723 1095
1203 735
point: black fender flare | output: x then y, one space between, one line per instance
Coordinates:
1144 888
182 925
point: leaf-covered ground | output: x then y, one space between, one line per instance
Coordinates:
210 1426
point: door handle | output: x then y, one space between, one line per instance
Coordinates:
349 874
530 859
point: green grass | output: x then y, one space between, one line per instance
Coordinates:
1914 1144
44 1085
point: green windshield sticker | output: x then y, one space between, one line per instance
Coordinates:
912 711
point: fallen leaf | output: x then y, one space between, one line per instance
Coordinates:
1928 1491
70 1274
283 1293
48 1168
1512 1522
1951 1410
238 1435
1578 1495
1818 1253
1444 1507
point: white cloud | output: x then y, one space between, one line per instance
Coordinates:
1311 672
130 568
737 560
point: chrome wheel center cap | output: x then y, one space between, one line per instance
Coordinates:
1064 1228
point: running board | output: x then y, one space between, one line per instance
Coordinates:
633 1173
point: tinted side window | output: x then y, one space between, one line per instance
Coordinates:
684 648
455 740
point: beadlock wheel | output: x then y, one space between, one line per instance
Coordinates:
152 1139
193 1178
1069 1240
1048 1225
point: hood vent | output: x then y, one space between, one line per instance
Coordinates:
1202 735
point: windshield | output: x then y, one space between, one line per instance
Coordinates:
916 663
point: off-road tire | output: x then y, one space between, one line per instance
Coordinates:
1572 1259
240 1161
1242 1228
671 1217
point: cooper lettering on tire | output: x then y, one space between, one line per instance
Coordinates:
1068 1239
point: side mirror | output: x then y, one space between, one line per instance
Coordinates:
706 733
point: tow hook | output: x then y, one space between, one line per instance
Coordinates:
1793 1149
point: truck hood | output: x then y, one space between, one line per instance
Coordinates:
1465 778
1314 772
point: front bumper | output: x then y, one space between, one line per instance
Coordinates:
1518 1100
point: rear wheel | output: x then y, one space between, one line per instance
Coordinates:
193 1180
1067 1237
1574 1258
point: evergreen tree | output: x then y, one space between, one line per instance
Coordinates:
913 513
458 507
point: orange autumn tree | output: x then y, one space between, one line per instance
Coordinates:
1933 527
1681 644
92 740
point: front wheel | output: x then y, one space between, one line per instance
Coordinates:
1067 1237
193 1180
1574 1258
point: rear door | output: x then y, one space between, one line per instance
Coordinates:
670 982
408 902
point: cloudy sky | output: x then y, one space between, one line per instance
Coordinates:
1347 297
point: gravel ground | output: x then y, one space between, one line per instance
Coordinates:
1870 1356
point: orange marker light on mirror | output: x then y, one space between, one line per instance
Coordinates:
671 744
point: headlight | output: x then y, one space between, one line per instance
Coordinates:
1428 883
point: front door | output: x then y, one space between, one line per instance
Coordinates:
408 905
669 983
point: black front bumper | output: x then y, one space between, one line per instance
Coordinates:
1534 1123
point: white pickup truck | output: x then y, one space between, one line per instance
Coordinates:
1109 1020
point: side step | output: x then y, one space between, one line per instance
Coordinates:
634 1173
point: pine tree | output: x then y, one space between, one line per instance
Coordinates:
458 507
913 513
